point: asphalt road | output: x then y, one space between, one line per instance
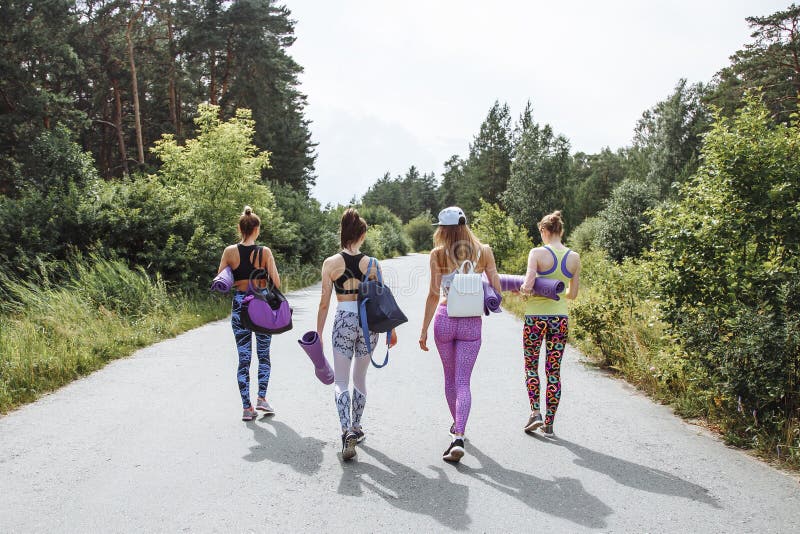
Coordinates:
155 443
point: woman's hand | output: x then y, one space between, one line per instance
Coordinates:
423 340
393 339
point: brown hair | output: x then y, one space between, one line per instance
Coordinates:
458 242
352 227
248 222
553 223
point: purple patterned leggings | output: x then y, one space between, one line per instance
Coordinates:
551 330
458 340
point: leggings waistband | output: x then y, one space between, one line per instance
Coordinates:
350 306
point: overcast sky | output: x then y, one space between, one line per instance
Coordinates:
396 83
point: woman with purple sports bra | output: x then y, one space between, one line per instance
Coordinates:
546 320
458 339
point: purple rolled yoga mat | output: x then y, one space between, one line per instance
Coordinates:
223 282
491 298
543 287
313 347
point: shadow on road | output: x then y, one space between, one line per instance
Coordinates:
560 497
408 489
635 475
285 446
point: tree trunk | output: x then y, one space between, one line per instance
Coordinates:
174 114
228 60
136 113
212 71
118 123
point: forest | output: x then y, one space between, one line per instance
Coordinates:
132 133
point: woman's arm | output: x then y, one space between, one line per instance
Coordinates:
272 269
223 262
431 302
325 298
491 268
530 274
575 281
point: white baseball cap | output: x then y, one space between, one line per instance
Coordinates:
451 216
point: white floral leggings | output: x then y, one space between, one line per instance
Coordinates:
348 341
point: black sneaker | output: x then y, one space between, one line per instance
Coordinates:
534 422
547 430
455 451
349 441
360 436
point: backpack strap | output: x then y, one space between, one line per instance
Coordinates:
362 314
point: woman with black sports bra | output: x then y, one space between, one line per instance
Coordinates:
244 258
343 273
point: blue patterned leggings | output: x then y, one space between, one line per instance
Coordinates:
244 345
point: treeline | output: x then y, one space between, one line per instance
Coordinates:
132 133
138 130
689 235
120 73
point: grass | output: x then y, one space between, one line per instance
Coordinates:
52 334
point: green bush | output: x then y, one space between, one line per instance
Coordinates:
727 259
584 237
420 230
509 241
46 217
385 235
621 229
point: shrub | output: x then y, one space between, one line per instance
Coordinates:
509 241
621 231
727 259
420 230
584 237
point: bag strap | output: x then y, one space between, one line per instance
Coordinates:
363 317
369 268
257 271
365 331
471 267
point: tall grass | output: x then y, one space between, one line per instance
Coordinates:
54 332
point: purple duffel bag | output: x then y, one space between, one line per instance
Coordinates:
265 310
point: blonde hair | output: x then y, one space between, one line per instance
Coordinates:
458 242
553 223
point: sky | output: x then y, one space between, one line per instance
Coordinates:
392 84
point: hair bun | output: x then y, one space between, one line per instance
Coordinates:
247 210
557 213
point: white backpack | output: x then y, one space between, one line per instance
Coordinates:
465 298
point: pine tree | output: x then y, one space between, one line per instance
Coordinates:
540 174
770 64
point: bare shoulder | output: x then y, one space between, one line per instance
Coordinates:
331 261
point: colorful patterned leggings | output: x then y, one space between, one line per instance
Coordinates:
458 340
553 329
244 345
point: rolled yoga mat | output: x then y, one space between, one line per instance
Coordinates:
223 282
491 298
542 287
313 347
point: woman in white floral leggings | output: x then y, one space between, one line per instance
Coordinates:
343 273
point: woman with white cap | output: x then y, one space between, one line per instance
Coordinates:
458 338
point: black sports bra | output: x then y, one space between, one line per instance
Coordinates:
352 270
246 267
